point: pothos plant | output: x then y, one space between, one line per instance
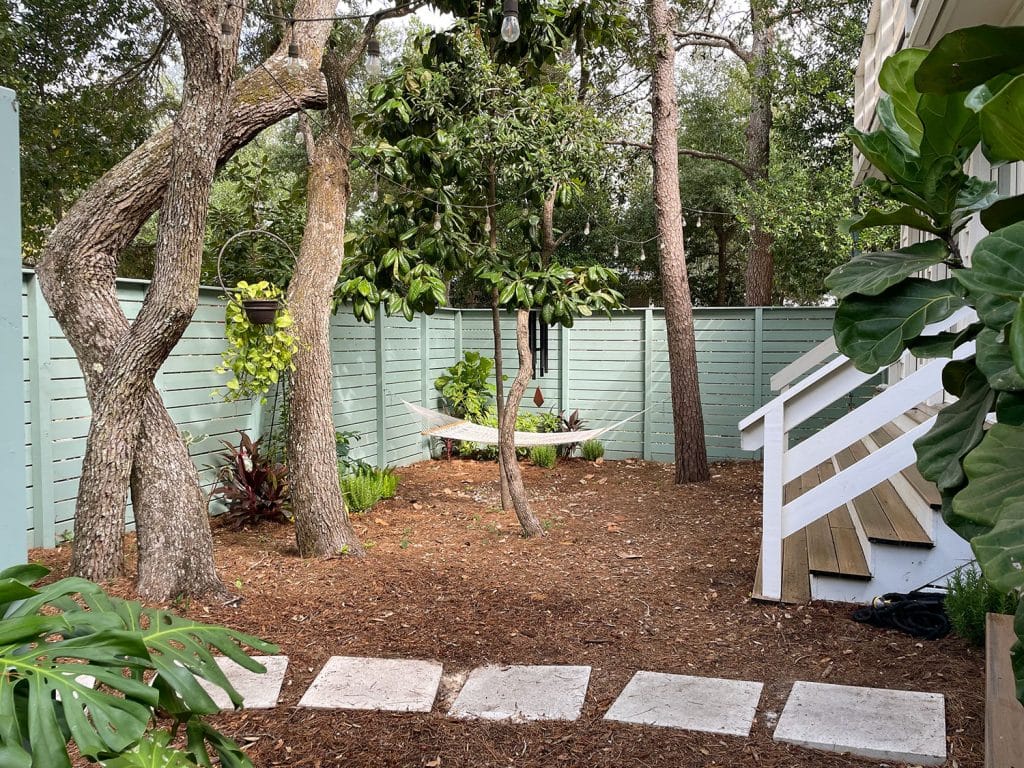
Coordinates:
256 355
76 663
938 107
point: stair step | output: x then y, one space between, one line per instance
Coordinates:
927 489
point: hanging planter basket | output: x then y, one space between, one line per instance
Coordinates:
257 311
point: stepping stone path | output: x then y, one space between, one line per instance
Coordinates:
392 685
896 726
523 693
694 703
258 691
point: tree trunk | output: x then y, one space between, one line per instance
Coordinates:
322 525
722 235
760 273
687 418
506 429
117 413
77 271
499 372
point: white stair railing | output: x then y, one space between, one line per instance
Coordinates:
769 426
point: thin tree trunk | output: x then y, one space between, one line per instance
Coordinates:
506 429
499 372
322 525
722 235
687 418
117 414
760 272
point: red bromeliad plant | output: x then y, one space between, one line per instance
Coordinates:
253 486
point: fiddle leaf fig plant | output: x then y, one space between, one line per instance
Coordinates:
938 107
257 355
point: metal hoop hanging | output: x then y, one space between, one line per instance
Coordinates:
259 311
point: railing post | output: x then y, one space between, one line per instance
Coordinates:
771 507
379 339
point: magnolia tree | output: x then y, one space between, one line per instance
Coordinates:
937 108
471 152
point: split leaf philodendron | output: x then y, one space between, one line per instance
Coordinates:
937 108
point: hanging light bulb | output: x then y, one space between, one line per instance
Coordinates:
698 221
510 24
373 58
684 222
586 229
375 194
294 63
487 224
615 251
437 221
643 256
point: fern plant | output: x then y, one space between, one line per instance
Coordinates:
53 635
366 486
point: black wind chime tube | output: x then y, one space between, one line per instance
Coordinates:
538 343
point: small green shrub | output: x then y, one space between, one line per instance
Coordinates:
592 450
465 386
970 597
544 456
366 486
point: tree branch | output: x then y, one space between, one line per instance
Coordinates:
699 154
711 40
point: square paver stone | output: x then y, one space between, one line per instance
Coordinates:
706 704
258 691
902 726
393 685
523 693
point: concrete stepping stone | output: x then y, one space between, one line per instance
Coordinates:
706 704
522 693
258 691
898 726
392 685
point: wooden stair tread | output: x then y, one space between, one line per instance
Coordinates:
925 488
796 580
904 525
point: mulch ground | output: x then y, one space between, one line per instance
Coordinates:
634 573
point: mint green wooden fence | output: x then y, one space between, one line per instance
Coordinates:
608 368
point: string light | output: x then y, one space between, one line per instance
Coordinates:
487 224
698 221
643 256
437 221
586 229
684 222
615 251
375 194
510 24
373 57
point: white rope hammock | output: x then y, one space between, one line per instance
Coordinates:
452 428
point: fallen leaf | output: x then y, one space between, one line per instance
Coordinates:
614 528
628 555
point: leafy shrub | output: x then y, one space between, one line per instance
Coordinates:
253 486
366 486
570 423
466 388
970 597
343 442
256 355
592 450
525 422
544 456
53 634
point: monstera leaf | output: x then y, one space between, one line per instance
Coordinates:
872 273
970 57
958 429
873 330
154 751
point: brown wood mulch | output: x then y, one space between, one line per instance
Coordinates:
635 573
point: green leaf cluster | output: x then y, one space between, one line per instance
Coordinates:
938 107
54 637
257 355
466 386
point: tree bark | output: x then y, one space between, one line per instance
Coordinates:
760 272
687 418
209 57
77 272
499 372
322 525
506 429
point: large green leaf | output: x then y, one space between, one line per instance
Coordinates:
872 273
958 428
943 344
1003 213
995 280
951 128
1015 340
154 751
969 57
1002 123
873 330
1010 408
996 362
995 473
1017 652
905 216
896 78
1000 552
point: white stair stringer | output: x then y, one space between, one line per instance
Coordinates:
897 568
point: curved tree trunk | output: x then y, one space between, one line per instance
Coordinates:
499 366
77 272
760 272
687 418
322 525
120 397
506 429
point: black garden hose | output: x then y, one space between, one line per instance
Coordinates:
919 614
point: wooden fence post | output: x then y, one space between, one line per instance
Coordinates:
379 341
425 384
41 416
458 335
648 400
758 357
